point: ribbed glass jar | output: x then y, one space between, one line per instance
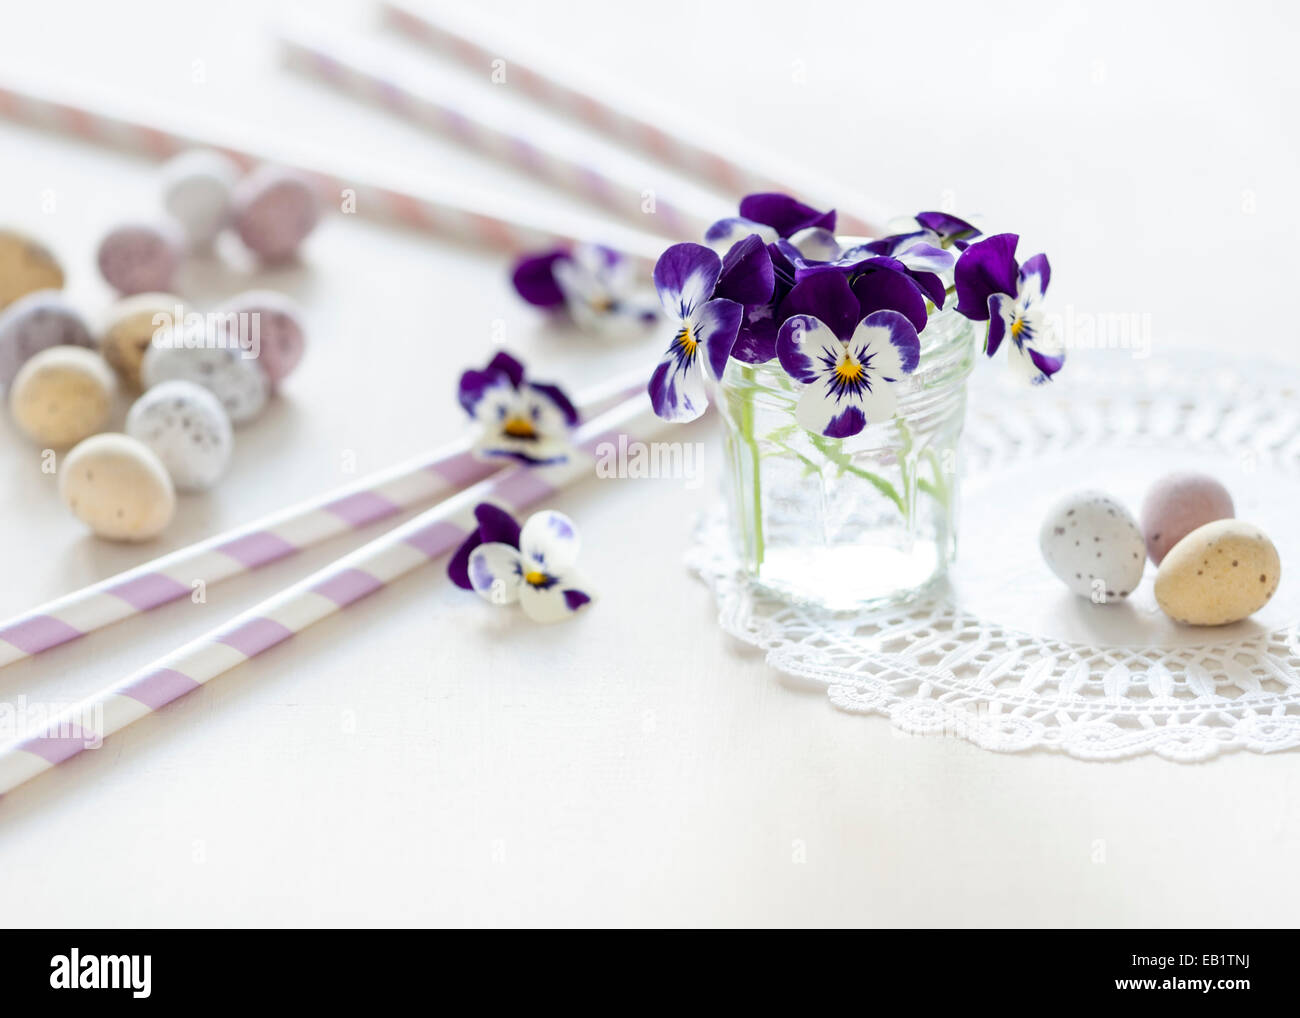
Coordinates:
861 522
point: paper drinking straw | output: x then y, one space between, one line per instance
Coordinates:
349 67
487 221
550 86
322 594
377 497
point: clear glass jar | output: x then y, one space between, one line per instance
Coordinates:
854 523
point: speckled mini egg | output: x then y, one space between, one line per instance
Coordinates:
25 267
131 326
34 323
274 210
62 395
117 487
1176 505
188 429
141 257
196 190
1093 545
1220 573
274 323
239 384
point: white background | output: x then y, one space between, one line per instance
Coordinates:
425 759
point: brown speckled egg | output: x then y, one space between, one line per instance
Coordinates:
1176 505
131 326
1220 573
25 267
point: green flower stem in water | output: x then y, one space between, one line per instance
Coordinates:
747 432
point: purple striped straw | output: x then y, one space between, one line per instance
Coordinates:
376 497
344 65
324 593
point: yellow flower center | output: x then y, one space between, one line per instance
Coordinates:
520 427
1017 327
534 578
687 341
849 369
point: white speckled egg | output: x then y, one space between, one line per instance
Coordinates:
1093 545
117 487
62 395
239 384
188 430
196 187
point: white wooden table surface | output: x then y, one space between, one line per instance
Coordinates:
420 759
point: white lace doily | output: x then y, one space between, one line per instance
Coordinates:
1004 656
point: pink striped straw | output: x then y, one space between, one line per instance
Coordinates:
496 223
344 65
326 592
170 577
546 84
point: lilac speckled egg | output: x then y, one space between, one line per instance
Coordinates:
141 257
1176 505
274 325
274 211
34 323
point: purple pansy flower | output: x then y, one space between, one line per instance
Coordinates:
536 568
704 330
521 420
770 216
495 526
951 231
849 379
993 287
596 285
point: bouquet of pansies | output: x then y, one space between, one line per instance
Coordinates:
843 317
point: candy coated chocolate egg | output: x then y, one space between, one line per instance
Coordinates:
141 257
196 190
188 430
34 323
274 211
25 267
117 487
1093 545
1220 573
62 395
238 382
274 325
1176 505
133 325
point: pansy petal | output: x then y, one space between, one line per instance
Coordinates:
888 343
495 573
531 452
474 386
756 341
947 226
555 400
922 257
783 213
495 525
887 290
676 388
717 324
747 275
986 267
1035 274
827 297
1001 314
458 567
549 542
931 285
804 345
555 602
685 276
534 278
816 244
726 232
508 366
821 412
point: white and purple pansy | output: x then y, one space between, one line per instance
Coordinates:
595 285
849 380
770 216
993 287
520 419
494 526
704 330
536 569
